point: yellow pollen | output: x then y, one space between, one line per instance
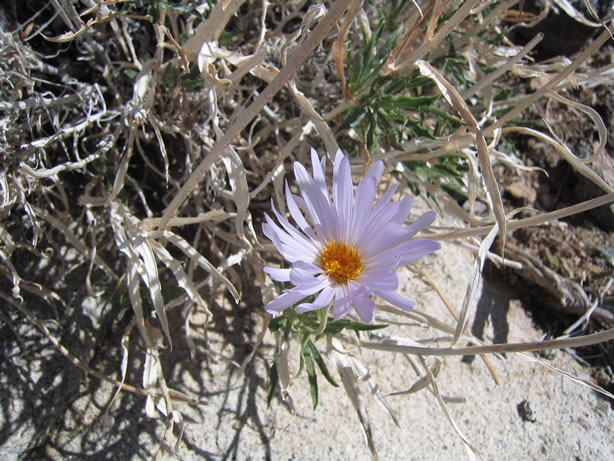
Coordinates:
342 263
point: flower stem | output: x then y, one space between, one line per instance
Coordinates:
322 327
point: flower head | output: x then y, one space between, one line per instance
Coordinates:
343 249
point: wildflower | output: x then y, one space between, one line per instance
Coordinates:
351 249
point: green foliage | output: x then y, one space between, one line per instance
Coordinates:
311 374
272 385
172 76
365 66
455 66
306 326
388 111
448 173
390 13
391 109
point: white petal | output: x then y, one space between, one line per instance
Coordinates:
376 170
270 231
385 200
319 178
294 210
289 248
393 235
312 287
307 267
379 281
395 299
278 274
283 301
342 304
377 222
297 239
362 208
343 194
322 161
300 204
388 237
323 300
306 307
415 249
422 222
365 308
380 265
304 182
322 213
404 208
299 276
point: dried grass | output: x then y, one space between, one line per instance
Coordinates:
219 154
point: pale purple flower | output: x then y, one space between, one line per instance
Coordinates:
344 249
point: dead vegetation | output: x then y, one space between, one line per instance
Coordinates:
141 142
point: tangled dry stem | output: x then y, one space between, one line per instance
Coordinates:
217 155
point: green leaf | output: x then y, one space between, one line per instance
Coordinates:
227 37
353 116
190 83
130 73
382 54
320 361
168 77
420 132
455 122
277 322
373 132
338 326
391 134
409 103
291 320
312 377
273 381
300 366
355 63
304 335
364 66
120 315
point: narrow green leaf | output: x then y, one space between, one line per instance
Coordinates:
373 133
390 132
130 73
356 67
311 374
321 364
354 116
289 324
442 114
409 103
420 132
382 54
273 381
338 326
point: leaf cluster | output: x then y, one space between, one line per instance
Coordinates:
387 111
364 66
449 173
455 66
391 107
306 326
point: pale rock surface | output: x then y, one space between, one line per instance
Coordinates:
571 421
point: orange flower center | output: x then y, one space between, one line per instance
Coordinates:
342 263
